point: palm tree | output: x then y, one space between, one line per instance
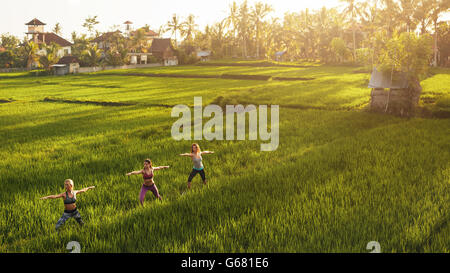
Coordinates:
307 33
217 33
138 40
188 27
161 30
352 10
89 24
244 26
258 13
51 56
30 53
389 14
437 7
232 20
408 8
273 39
422 14
80 43
92 55
174 25
57 29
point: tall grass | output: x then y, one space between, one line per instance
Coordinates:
338 180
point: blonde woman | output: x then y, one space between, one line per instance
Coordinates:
196 155
69 197
149 184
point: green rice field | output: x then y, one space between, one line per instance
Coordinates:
341 177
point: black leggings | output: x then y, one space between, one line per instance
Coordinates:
195 172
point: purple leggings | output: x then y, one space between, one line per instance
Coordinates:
144 190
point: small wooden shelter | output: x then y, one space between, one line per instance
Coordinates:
67 65
204 55
393 92
164 50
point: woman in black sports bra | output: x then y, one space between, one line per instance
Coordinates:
149 184
69 198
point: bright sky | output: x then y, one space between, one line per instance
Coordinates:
71 13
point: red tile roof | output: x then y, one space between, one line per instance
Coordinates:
35 22
105 36
52 37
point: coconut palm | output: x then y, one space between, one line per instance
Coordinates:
175 26
188 27
437 8
30 55
217 34
51 56
231 22
92 55
352 10
257 15
389 14
422 14
407 9
244 26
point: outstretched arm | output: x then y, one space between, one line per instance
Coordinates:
186 154
52 196
160 168
207 152
135 172
85 189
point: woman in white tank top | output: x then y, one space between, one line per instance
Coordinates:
196 155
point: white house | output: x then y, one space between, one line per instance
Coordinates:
39 36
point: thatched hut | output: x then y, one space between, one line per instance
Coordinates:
394 93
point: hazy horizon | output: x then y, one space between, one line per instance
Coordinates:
72 13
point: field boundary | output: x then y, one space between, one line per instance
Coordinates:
222 76
257 64
100 103
104 103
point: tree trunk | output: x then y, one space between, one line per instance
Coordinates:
354 43
435 43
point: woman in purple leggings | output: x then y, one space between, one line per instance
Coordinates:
149 184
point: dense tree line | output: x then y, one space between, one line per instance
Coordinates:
342 34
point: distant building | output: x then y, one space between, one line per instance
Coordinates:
104 41
279 56
148 35
204 55
141 56
67 65
37 34
163 49
128 27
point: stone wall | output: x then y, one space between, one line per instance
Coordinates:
99 68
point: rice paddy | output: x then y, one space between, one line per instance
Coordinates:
341 176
